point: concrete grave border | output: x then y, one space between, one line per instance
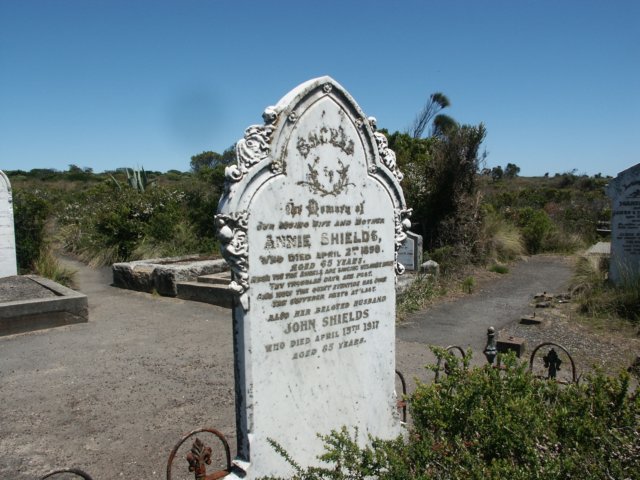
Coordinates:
163 274
26 315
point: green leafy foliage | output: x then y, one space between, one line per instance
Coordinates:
105 225
30 212
440 184
490 423
534 225
574 205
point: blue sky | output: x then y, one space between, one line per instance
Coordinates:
109 84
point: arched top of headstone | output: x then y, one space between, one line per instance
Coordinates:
626 183
5 184
270 149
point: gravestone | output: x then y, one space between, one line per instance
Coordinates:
310 224
8 265
624 191
410 252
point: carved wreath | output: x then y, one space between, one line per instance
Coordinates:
333 188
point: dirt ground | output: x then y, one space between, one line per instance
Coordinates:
114 395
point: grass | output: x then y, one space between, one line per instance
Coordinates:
48 266
503 240
417 296
468 284
498 268
598 299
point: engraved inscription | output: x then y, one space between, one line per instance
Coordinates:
323 277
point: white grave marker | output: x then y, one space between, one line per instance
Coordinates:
624 191
8 265
410 252
310 225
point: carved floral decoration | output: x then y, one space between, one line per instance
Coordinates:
254 147
232 233
402 224
387 155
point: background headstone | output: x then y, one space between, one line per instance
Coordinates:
7 233
310 226
624 191
410 252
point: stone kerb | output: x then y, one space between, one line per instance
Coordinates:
8 265
310 225
624 191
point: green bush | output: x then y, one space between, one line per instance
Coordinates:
30 212
489 423
534 225
108 224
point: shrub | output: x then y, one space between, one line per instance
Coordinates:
534 225
30 211
108 224
489 423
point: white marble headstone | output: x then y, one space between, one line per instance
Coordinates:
410 252
7 233
310 225
624 191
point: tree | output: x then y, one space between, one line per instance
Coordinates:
430 114
209 159
511 170
497 173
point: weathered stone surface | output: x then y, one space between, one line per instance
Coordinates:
431 267
624 191
198 291
410 252
310 226
162 274
8 264
18 287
